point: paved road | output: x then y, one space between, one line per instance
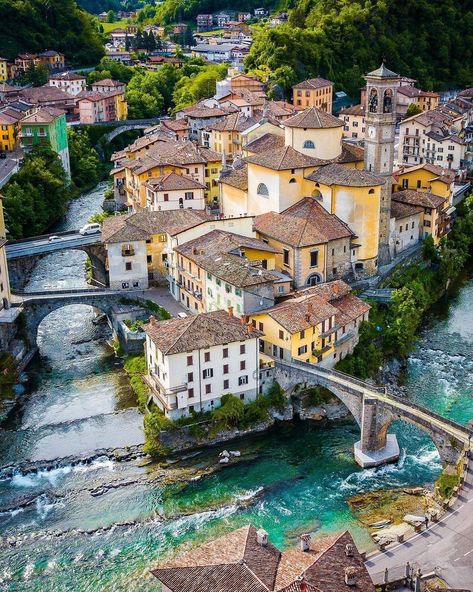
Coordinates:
40 245
445 547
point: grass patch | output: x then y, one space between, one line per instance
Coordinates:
447 481
135 367
121 24
135 326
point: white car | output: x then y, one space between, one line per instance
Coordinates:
54 238
90 229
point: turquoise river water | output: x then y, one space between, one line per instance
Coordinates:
295 478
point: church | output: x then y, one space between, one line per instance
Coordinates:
307 162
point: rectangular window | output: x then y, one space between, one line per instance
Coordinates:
208 389
225 368
208 373
191 393
226 384
242 348
237 292
281 334
314 258
285 256
166 197
260 326
206 356
242 365
302 334
190 377
302 350
128 266
242 380
189 195
225 352
189 360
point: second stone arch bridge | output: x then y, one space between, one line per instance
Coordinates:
374 411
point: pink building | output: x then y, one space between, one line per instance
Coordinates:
97 107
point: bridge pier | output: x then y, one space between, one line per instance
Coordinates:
376 447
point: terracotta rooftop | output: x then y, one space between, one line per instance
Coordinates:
238 562
354 110
284 158
141 225
264 143
439 173
419 198
201 331
220 253
206 113
68 76
45 94
304 224
314 83
313 118
401 210
337 174
173 152
173 182
108 82
43 115
236 177
234 122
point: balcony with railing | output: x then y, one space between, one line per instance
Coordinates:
167 396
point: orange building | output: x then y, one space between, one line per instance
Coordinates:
315 92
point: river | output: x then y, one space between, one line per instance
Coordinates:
293 479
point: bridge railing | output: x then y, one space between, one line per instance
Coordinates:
336 374
433 414
79 291
40 236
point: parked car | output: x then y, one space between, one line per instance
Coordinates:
90 229
3 155
54 238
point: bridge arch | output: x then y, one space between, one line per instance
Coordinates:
450 449
38 306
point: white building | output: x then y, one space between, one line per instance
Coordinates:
353 122
432 137
127 266
192 362
173 191
69 82
405 227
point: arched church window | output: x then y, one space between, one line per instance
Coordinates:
371 191
309 144
373 101
292 180
388 101
262 190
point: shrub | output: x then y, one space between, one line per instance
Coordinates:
135 367
154 422
230 412
318 395
276 397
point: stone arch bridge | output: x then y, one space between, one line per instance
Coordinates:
38 305
374 410
121 126
23 255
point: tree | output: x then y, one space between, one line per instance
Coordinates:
230 412
37 195
86 168
37 75
143 96
413 109
111 16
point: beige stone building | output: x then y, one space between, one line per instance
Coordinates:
353 122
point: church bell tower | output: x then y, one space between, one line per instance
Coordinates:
380 125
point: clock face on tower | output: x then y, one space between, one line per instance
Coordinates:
371 132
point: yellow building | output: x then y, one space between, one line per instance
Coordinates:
315 92
318 325
354 196
9 129
3 69
313 245
226 136
426 177
121 106
201 164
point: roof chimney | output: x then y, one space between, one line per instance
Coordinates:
349 550
350 576
230 311
305 542
244 319
152 320
262 537
307 317
250 328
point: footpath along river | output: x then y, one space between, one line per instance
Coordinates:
293 479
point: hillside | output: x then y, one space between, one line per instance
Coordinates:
98 6
36 25
173 10
341 39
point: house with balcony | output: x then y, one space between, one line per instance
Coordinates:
47 127
193 362
318 325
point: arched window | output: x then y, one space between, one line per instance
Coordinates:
388 101
316 193
292 180
262 190
309 144
314 279
371 191
373 101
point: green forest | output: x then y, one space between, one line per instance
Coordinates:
98 6
36 25
342 39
